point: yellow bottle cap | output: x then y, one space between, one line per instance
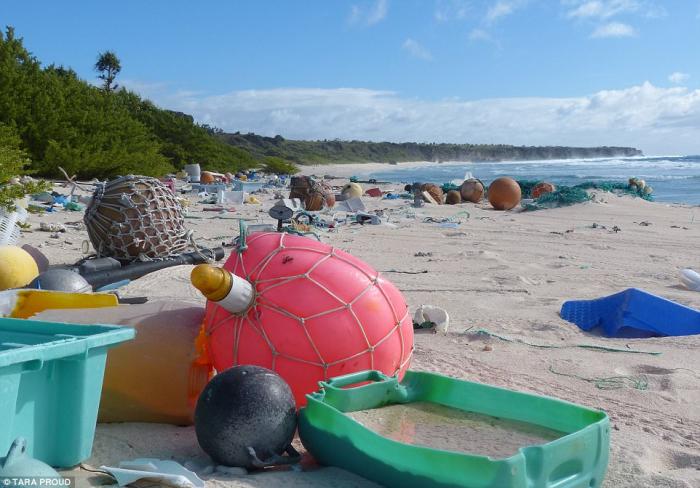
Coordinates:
214 283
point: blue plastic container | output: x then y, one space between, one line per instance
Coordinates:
633 313
50 384
249 186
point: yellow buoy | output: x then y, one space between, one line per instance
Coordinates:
17 267
352 190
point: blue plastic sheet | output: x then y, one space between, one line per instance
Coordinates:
633 312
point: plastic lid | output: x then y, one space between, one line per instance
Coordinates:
214 283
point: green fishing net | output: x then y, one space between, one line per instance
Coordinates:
571 195
449 186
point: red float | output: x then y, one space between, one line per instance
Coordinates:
317 312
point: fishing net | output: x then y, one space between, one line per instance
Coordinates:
449 186
564 196
526 187
136 218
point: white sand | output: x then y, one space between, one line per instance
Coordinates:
507 272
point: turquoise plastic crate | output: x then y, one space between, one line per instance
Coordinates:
50 385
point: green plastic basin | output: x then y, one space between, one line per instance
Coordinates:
577 459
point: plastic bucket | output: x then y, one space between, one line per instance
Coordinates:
194 172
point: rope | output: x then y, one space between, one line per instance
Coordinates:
242 236
484 332
610 382
441 220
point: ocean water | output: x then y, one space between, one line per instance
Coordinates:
675 179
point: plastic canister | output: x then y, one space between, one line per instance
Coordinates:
194 172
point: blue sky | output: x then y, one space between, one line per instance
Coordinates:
570 72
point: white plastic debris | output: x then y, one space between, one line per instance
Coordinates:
9 226
350 205
691 279
234 197
169 473
436 315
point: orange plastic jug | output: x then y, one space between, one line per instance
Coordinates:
158 376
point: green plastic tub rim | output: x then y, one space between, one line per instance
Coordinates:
583 428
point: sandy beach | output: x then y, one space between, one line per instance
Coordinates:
505 274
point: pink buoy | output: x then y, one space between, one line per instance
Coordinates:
316 312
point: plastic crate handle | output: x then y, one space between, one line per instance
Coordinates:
359 377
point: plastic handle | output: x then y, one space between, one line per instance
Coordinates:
359 377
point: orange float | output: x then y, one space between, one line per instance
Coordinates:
305 310
453 197
207 178
504 193
434 191
472 191
541 188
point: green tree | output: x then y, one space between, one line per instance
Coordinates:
99 132
108 66
13 161
274 165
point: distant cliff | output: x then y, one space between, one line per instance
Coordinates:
336 151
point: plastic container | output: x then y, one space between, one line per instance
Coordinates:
633 313
9 228
578 459
247 186
194 171
50 381
165 330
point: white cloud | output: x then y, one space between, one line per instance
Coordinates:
602 9
446 10
417 50
370 15
480 35
657 120
502 8
603 13
614 29
678 77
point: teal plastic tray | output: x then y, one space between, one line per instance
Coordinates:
50 384
578 459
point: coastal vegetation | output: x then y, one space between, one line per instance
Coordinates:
337 151
63 121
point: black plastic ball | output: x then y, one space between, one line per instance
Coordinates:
243 407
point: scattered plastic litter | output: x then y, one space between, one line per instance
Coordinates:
351 205
365 218
51 227
20 465
432 315
167 472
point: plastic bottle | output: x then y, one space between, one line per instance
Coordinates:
219 285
